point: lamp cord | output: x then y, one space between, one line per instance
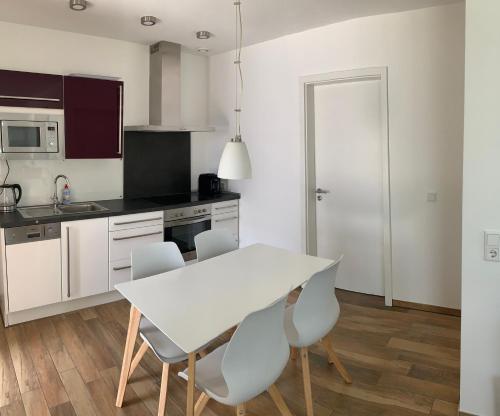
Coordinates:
239 72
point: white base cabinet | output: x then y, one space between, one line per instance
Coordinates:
34 271
127 233
84 252
225 215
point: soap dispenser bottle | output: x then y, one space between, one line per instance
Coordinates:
66 195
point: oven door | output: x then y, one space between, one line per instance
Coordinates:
24 136
182 233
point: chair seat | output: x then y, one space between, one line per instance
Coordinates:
162 346
209 376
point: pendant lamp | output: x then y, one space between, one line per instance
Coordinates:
235 161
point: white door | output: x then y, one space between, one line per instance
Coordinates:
84 258
349 166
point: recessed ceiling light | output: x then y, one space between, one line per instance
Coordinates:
203 50
78 5
149 20
203 34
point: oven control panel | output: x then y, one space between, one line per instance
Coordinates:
188 212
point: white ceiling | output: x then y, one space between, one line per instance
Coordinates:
180 19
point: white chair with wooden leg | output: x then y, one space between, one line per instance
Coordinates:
248 365
148 261
213 243
311 319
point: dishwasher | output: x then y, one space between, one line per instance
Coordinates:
33 256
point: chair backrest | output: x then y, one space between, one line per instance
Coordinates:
256 354
154 259
213 243
317 309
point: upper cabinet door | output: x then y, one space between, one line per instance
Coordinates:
28 89
93 114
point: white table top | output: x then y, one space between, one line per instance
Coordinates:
194 304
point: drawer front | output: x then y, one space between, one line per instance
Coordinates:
121 243
228 221
127 222
119 272
225 207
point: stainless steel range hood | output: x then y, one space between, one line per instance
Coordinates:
165 95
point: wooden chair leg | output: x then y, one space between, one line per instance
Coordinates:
133 327
163 390
200 404
138 357
293 353
334 359
278 401
306 375
241 410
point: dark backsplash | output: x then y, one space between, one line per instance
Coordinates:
156 164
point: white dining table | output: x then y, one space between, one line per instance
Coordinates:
193 305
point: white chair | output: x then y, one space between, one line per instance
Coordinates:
147 261
213 243
248 365
311 319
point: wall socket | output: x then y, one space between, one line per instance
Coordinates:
492 245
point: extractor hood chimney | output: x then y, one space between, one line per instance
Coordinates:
165 93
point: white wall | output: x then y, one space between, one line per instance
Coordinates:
424 51
28 48
480 368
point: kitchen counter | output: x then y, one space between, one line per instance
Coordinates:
120 207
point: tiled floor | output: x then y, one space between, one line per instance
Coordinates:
402 362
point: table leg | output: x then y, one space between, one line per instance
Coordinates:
191 383
133 327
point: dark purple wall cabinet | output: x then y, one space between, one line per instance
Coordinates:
93 114
28 89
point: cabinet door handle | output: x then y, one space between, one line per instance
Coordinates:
136 236
120 109
19 97
68 265
116 269
137 221
227 207
227 219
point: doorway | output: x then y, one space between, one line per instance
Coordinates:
347 186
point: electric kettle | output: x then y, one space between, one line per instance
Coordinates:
9 197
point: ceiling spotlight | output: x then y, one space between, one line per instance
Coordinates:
203 34
78 5
203 50
149 20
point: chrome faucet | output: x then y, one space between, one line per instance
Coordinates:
55 198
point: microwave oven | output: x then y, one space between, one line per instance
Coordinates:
29 135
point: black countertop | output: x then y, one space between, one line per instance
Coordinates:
120 207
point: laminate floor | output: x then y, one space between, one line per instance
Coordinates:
403 363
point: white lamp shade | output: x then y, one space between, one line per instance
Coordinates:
235 162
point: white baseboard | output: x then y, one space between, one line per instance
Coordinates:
58 308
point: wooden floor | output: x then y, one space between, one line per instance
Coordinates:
402 363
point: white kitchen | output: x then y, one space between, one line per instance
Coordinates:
260 208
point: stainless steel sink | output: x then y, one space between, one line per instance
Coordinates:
49 210
81 208
39 211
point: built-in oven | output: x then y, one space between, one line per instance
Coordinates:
29 135
181 225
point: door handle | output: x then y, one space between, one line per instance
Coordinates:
322 191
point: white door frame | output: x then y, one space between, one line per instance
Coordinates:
308 194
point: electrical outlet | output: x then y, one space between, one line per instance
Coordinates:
492 246
492 254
